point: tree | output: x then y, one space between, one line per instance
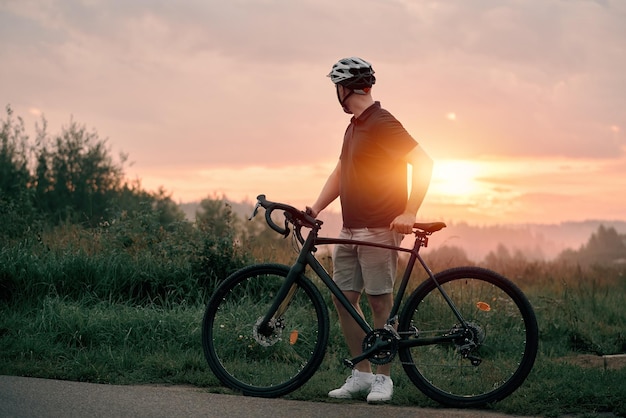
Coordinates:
77 179
605 246
168 211
217 217
513 265
70 177
447 256
220 253
14 174
15 197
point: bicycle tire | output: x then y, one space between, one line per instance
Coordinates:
264 365
503 323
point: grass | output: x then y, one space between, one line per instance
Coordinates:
104 342
126 315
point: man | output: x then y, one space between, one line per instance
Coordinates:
371 180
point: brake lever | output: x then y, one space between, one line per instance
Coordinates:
255 211
287 230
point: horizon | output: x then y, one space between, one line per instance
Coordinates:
534 241
519 104
467 201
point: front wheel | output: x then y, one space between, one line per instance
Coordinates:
480 362
266 361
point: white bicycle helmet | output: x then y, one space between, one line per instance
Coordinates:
353 73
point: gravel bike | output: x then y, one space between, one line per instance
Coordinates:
465 336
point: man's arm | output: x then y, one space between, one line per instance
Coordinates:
329 192
422 166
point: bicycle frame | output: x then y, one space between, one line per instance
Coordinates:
249 316
306 258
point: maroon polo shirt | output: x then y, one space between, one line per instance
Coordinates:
374 169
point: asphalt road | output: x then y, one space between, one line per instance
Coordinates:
43 398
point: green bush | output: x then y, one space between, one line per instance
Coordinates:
132 259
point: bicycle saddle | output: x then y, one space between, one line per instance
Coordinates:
429 227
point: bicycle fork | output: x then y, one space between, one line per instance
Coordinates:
285 293
280 304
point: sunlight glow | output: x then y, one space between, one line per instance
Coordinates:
486 189
456 178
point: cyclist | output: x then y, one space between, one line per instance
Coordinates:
370 179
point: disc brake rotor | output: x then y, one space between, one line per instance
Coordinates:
270 334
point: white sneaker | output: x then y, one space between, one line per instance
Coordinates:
357 383
382 389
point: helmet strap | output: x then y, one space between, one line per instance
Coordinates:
343 102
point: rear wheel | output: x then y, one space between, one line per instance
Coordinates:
492 355
270 361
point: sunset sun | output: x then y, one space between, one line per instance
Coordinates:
456 178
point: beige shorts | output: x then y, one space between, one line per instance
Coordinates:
358 267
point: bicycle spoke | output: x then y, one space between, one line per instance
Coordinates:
491 358
264 361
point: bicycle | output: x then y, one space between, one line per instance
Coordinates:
466 336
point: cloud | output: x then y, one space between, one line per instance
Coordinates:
530 78
242 82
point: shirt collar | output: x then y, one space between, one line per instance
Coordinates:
366 113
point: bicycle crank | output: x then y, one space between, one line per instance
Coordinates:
382 346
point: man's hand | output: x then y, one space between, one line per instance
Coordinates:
403 223
311 212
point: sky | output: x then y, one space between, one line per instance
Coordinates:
521 103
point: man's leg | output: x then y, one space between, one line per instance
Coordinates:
382 386
361 379
352 332
381 307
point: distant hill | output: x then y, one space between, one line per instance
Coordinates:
243 210
535 241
